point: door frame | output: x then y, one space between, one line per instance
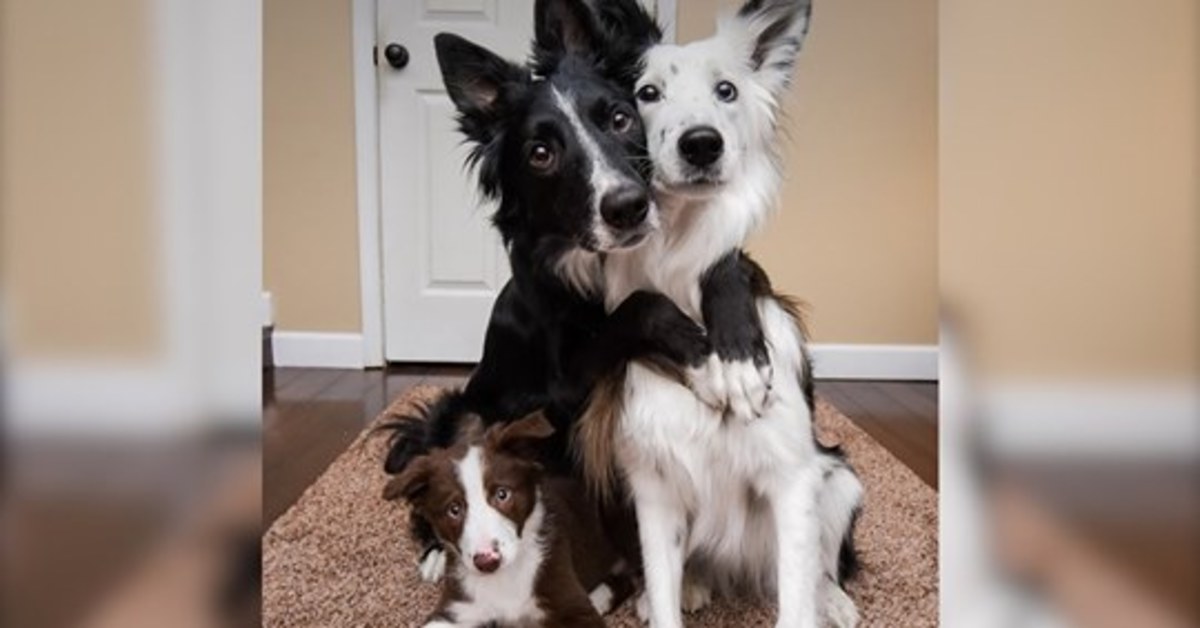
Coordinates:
368 178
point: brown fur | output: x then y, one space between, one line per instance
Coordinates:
596 432
578 556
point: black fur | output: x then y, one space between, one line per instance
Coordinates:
547 341
730 310
849 563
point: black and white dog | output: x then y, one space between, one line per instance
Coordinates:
742 502
561 146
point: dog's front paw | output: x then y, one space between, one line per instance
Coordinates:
695 595
709 383
642 607
748 387
433 565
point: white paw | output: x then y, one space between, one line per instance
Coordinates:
748 387
837 608
433 566
642 607
695 595
601 598
708 382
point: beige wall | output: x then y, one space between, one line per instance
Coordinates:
856 231
1069 147
856 235
76 179
310 224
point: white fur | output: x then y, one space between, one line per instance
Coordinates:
601 598
582 271
739 388
682 458
433 566
754 501
507 594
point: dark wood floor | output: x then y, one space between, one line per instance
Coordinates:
312 415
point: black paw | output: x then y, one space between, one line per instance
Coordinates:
664 329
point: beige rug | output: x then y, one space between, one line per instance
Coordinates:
340 556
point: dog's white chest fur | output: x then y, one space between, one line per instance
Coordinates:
506 596
721 468
700 233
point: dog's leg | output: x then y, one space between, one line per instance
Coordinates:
738 376
798 532
839 501
662 527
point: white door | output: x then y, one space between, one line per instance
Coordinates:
443 263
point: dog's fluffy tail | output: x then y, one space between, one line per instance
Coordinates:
839 505
427 426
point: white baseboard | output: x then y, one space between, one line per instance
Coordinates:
142 400
334 350
1108 421
864 361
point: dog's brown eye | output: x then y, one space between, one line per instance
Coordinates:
648 93
541 156
726 92
502 494
621 121
454 511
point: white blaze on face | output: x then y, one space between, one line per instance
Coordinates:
604 177
485 530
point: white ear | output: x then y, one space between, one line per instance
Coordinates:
773 32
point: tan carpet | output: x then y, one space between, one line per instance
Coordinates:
340 555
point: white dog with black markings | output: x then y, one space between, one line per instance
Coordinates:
756 503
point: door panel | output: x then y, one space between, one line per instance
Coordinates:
443 263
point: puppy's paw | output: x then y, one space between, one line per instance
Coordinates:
708 381
695 595
642 607
433 565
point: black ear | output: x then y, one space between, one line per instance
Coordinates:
777 29
411 482
476 78
629 30
565 26
627 23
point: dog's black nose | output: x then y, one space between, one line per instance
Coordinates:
625 207
701 146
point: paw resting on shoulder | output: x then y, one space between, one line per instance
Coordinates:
661 327
741 388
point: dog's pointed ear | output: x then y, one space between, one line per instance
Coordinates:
629 31
476 79
774 31
565 26
628 24
522 437
412 482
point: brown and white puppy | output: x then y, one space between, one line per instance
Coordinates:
524 550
